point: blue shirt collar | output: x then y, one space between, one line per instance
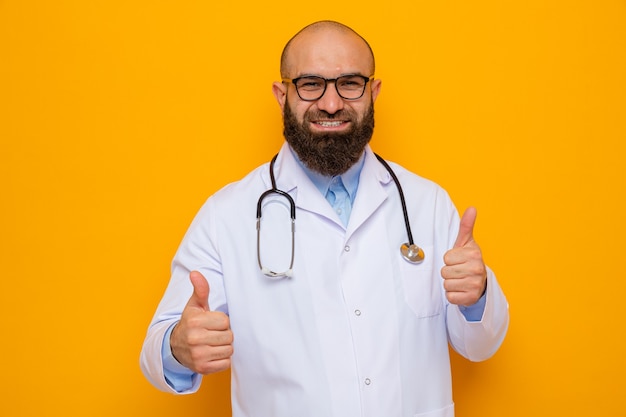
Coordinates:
350 178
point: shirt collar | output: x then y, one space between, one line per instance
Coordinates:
350 178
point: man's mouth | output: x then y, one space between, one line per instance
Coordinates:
329 123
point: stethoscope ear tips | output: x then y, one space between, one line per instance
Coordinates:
412 253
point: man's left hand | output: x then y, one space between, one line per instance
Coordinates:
465 274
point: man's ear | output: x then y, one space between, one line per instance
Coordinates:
280 92
376 85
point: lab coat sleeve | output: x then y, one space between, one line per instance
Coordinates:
479 340
475 340
151 361
196 252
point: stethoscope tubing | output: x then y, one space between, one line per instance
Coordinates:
411 252
402 200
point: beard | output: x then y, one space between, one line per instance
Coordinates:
330 153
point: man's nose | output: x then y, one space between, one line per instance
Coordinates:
331 101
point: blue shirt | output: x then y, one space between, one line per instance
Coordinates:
350 181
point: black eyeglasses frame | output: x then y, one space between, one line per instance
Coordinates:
294 81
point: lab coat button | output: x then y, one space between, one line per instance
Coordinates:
368 381
357 312
346 248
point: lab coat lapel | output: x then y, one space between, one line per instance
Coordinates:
371 192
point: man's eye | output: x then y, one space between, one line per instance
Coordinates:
310 84
351 83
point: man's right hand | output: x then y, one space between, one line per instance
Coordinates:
202 340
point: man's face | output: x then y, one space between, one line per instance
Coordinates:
328 134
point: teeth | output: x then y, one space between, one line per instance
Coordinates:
329 124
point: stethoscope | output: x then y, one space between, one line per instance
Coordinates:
409 250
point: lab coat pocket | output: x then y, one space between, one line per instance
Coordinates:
443 412
422 286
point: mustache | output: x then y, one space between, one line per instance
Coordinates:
342 114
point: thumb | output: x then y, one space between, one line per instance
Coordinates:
200 296
466 228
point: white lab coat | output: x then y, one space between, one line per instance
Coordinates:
357 331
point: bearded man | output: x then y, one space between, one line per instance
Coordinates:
324 316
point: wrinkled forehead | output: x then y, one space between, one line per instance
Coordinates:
328 52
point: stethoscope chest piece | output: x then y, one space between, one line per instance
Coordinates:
412 253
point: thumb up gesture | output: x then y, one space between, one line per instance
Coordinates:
464 273
202 339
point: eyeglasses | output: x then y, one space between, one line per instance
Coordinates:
311 88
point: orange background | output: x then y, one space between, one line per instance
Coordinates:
119 118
